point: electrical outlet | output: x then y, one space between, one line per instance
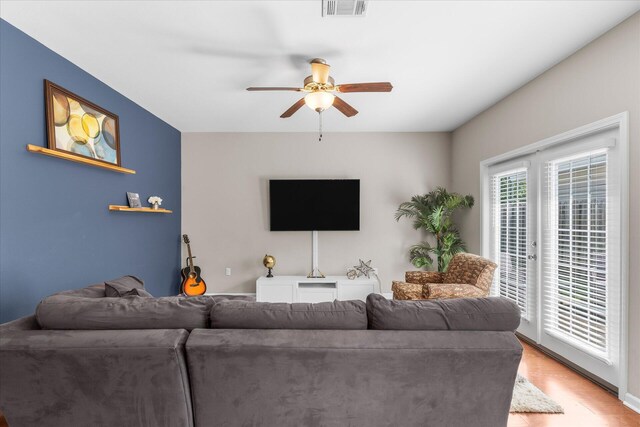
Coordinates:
227 271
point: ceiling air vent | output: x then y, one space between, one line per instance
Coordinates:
344 7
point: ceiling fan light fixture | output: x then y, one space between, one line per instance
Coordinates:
319 101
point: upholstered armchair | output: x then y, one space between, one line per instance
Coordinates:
467 276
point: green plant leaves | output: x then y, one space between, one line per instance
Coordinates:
433 213
419 255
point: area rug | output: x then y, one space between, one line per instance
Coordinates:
529 398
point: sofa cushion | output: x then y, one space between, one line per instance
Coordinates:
461 314
91 291
406 315
74 310
95 378
124 286
137 293
264 315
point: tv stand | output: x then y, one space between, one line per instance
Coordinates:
302 289
315 271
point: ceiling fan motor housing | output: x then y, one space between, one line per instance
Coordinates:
312 86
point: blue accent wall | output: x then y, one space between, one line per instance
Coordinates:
56 232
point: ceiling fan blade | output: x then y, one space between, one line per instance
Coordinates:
295 89
320 72
295 107
365 87
344 108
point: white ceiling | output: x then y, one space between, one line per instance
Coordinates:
188 62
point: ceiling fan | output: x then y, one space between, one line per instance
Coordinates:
320 89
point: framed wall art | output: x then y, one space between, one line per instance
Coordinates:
79 127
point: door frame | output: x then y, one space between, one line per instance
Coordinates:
621 121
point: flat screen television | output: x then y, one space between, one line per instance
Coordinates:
314 204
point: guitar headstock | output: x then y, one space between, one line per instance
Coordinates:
185 238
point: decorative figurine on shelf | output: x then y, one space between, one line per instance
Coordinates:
352 273
269 261
155 202
364 269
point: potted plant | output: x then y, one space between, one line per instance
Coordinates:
432 212
155 202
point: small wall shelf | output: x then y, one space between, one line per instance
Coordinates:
128 209
62 155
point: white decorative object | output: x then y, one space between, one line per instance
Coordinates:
155 201
302 289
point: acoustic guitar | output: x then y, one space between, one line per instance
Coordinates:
192 282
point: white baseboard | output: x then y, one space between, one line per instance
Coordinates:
246 294
632 402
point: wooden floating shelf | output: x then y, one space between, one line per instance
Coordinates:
128 209
67 156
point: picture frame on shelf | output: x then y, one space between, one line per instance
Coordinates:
134 200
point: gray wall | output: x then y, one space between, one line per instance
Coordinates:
598 81
225 199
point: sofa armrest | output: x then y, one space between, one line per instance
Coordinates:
27 323
452 290
406 291
74 378
423 277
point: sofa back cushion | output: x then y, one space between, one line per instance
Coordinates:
264 315
131 312
460 314
88 308
91 291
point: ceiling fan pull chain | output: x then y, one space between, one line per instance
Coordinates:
320 130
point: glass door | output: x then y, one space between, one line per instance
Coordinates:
580 312
513 231
555 231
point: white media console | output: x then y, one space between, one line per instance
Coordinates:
304 289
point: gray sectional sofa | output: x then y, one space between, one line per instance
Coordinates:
128 359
